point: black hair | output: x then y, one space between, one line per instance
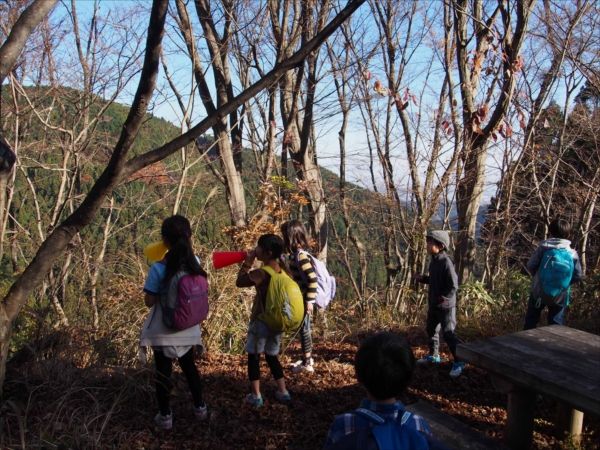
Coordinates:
439 244
384 365
176 230
273 244
295 236
560 228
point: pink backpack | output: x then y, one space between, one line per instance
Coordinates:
185 304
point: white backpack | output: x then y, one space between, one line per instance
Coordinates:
326 282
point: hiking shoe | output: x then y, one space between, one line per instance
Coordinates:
429 359
297 363
303 366
201 413
283 398
457 369
164 422
251 399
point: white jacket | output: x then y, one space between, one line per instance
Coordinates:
156 334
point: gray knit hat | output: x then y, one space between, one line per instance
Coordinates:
440 236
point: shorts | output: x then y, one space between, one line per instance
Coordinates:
261 339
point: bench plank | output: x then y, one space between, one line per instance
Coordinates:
567 354
573 334
513 360
451 431
533 372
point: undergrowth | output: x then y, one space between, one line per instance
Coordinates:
64 385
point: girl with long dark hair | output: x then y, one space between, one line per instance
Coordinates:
168 343
295 238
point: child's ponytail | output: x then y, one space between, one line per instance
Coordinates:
178 232
295 236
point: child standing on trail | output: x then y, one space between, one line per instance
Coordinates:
261 339
441 313
296 243
168 343
384 366
558 231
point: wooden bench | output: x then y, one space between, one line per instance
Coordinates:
451 431
555 361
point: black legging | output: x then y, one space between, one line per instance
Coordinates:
164 366
254 366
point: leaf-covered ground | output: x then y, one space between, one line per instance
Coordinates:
126 419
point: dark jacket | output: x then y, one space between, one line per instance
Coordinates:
443 282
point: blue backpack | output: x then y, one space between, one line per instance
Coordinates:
391 436
551 283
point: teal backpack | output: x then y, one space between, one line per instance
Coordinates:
551 283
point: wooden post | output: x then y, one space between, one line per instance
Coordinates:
519 421
569 422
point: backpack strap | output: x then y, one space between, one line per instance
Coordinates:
369 415
405 417
272 272
373 417
269 270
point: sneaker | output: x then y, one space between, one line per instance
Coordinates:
283 398
429 359
297 363
303 367
201 413
164 422
457 369
257 402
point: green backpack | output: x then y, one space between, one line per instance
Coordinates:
285 306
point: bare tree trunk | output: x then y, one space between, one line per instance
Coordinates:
475 139
54 244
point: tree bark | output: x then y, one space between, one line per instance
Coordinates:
20 32
56 242
474 147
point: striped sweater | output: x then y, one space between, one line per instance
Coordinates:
309 291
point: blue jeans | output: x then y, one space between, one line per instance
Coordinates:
556 314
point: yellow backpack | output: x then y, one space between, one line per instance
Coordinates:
284 304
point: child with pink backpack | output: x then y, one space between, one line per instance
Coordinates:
177 293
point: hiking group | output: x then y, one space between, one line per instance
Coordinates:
287 289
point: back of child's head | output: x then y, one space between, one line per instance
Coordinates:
560 228
176 230
273 244
295 236
384 365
